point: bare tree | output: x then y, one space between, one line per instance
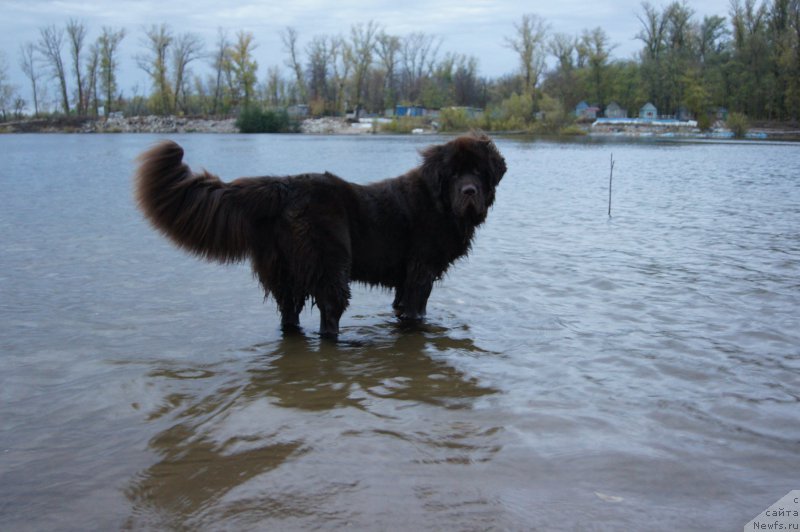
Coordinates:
220 60
529 44
275 87
362 41
51 39
108 48
76 32
157 41
188 47
387 47
418 53
318 52
92 68
8 95
289 38
340 63
653 33
27 63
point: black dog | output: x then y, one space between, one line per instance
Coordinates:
309 235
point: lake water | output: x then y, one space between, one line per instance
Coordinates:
638 372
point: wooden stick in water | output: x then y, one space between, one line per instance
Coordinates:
610 179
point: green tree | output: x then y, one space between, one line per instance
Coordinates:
529 42
108 48
594 51
244 67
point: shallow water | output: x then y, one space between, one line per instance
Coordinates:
637 372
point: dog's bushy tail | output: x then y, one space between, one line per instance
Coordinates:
198 212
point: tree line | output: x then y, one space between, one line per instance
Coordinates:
747 62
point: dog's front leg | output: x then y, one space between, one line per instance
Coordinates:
411 300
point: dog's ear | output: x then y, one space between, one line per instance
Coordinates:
436 166
496 162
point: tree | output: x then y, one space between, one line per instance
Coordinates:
318 52
594 51
51 39
188 47
652 34
529 44
158 39
340 63
790 60
76 32
750 65
289 38
7 90
563 82
362 40
275 87
29 67
219 62
92 70
243 66
466 88
108 45
387 48
418 55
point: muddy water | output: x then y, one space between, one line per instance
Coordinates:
638 372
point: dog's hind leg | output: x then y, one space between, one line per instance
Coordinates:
288 294
332 298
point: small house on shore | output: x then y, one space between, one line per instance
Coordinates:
584 111
648 111
613 110
409 110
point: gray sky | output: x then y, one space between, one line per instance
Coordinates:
471 27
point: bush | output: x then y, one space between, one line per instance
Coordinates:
738 124
572 131
454 119
254 120
404 124
704 121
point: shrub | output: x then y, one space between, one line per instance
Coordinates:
572 131
738 124
704 121
403 124
454 119
254 120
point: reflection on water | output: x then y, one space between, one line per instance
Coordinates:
385 373
576 372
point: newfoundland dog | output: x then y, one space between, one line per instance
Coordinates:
309 235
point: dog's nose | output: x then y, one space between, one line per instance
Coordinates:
469 190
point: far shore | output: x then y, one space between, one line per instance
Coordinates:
342 126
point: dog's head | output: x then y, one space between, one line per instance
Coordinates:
464 173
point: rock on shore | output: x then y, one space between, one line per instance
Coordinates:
160 124
120 124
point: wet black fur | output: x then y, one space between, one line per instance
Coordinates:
310 235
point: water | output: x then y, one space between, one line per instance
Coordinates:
576 371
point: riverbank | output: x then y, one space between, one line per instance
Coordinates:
341 126
119 124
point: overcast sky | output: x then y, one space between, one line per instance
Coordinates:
471 27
